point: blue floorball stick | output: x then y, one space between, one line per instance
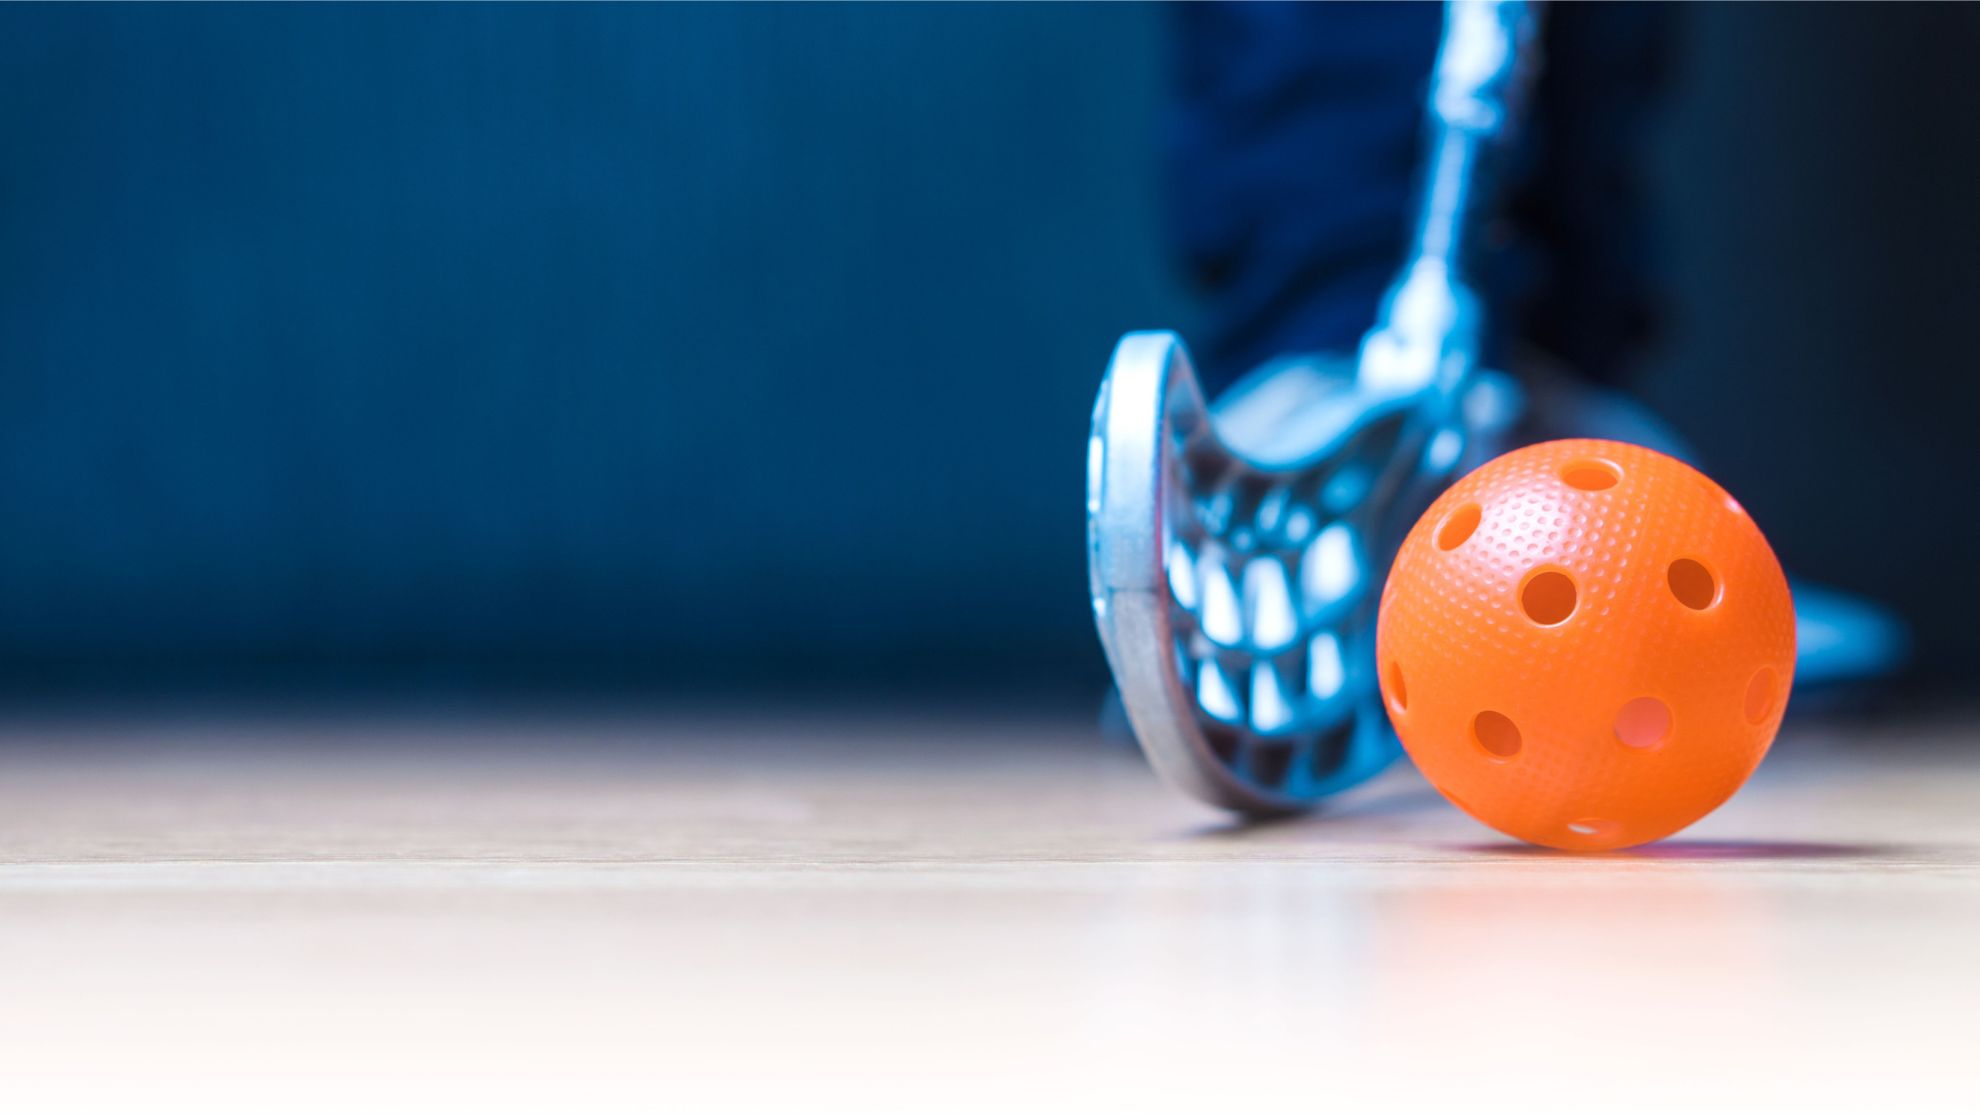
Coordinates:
1236 550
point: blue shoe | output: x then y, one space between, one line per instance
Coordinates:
1839 638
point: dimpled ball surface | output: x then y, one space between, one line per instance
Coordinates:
1586 644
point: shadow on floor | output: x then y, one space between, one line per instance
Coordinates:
1416 798
1704 850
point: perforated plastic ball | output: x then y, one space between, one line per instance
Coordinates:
1586 644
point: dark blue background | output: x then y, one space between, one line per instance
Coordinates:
690 345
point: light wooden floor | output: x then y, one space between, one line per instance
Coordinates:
688 913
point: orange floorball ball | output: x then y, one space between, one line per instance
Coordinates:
1586 644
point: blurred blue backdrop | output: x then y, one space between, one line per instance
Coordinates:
712 345
681 342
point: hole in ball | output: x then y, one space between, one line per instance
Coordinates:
1548 598
1760 695
1591 475
1693 584
1496 734
1458 526
1643 722
1398 691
